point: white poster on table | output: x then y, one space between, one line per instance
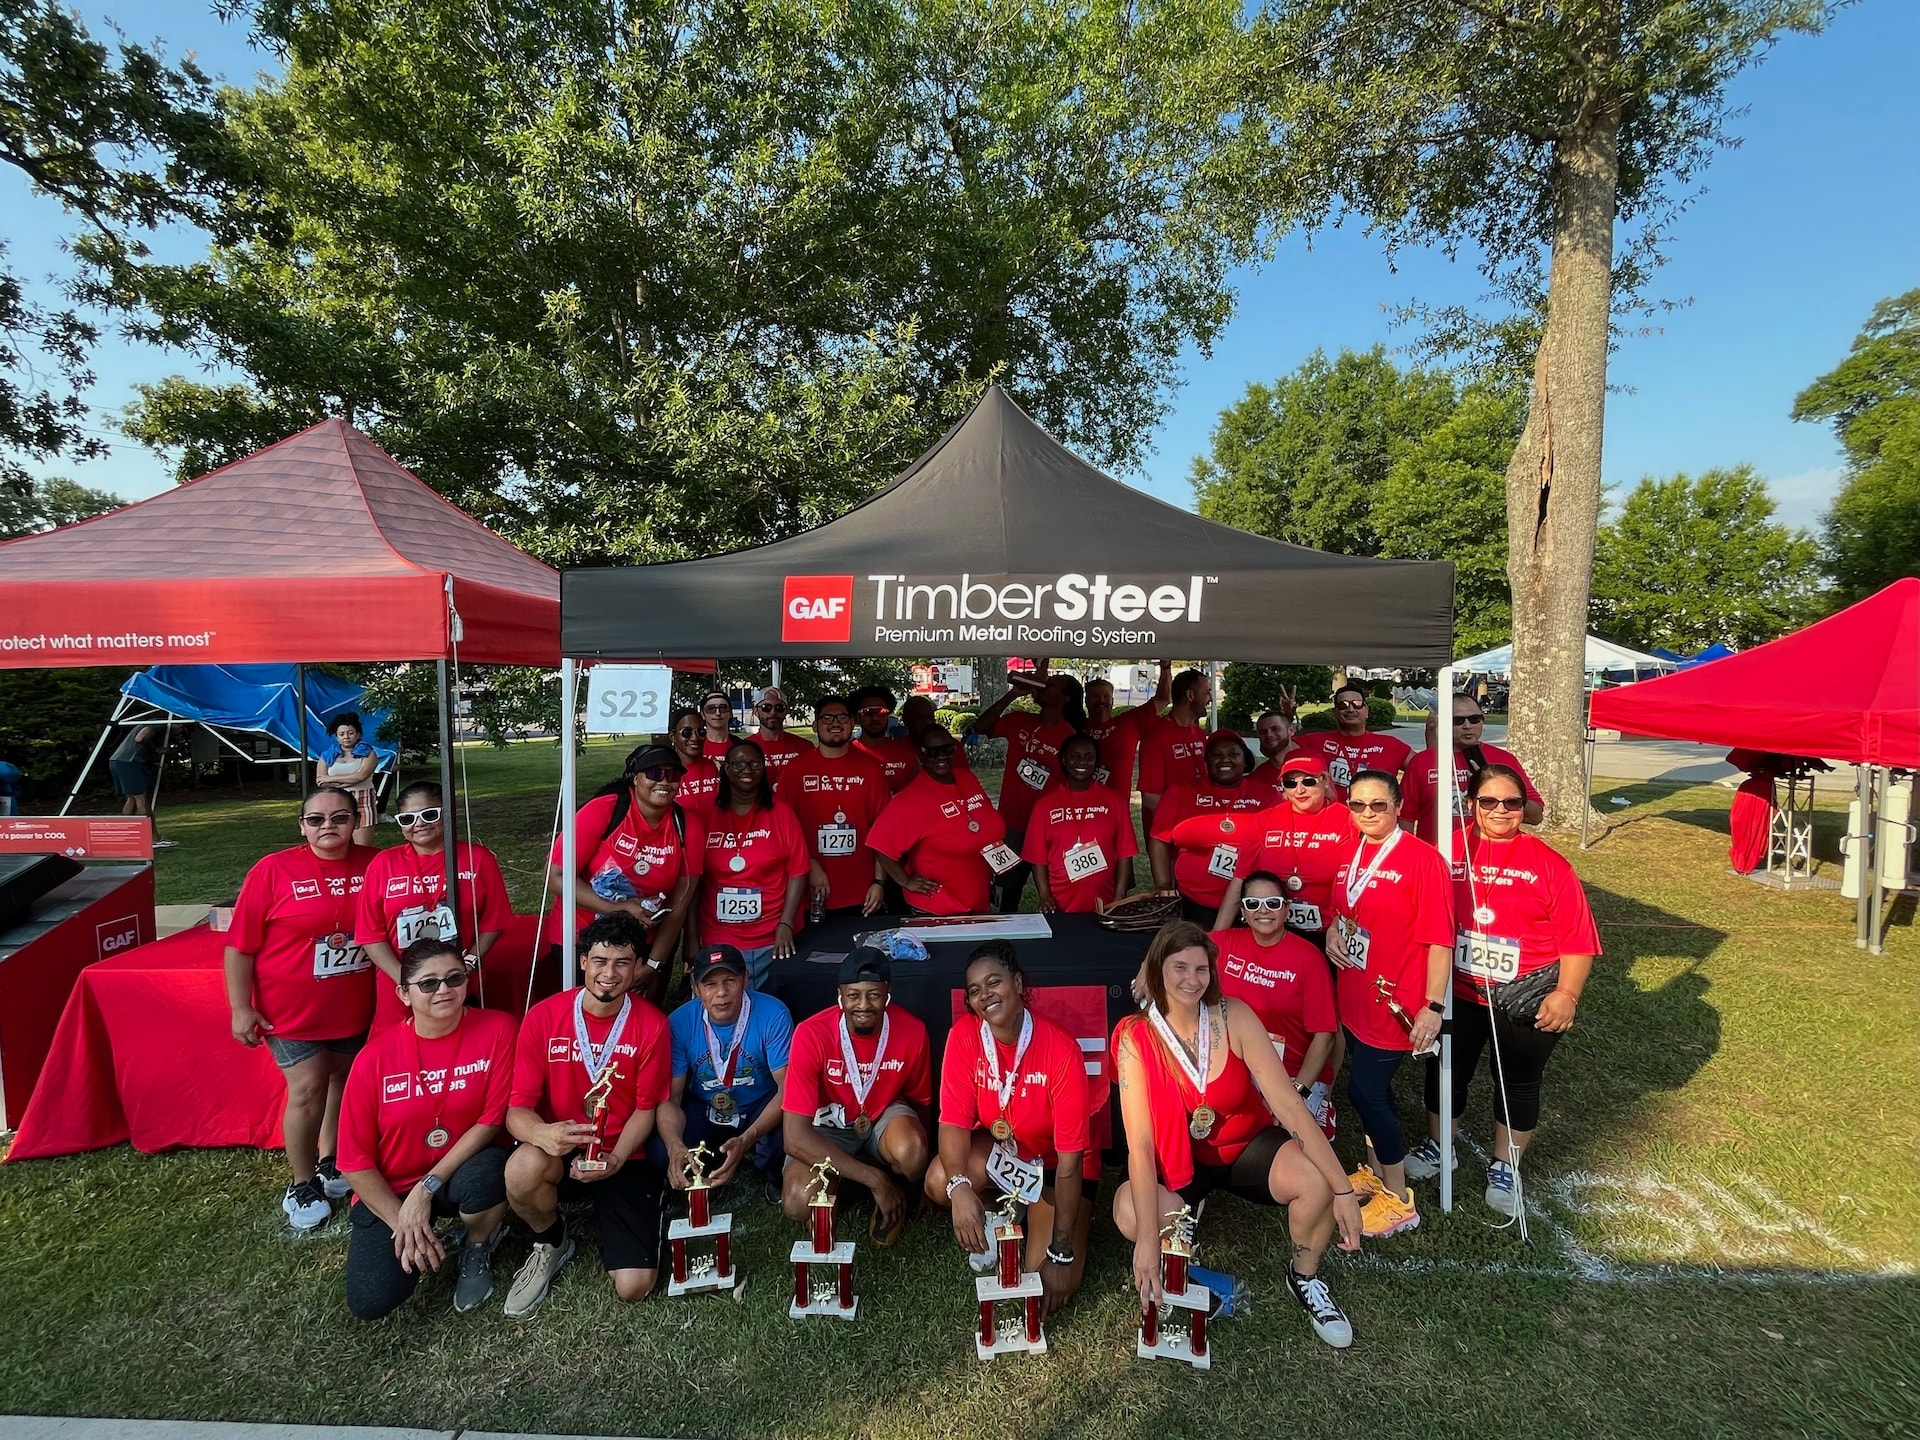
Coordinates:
628 699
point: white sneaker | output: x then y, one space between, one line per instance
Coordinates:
306 1205
1423 1160
1328 1322
535 1276
1503 1190
983 1260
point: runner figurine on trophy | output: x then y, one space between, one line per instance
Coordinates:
1182 1299
1009 1283
833 1295
701 1272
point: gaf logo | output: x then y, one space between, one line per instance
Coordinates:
817 608
116 935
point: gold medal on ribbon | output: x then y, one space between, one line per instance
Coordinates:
862 1126
1001 1129
1202 1124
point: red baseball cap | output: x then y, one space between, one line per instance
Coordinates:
1304 762
1223 733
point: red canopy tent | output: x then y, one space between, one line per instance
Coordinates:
1845 688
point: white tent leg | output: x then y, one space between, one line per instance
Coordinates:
1443 777
569 861
1586 792
98 746
159 772
1874 885
1861 845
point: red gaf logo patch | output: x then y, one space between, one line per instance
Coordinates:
817 608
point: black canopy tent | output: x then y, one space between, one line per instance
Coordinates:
999 540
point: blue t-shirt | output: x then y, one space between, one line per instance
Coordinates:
769 1037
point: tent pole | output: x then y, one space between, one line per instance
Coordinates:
98 746
449 827
159 771
300 723
1443 783
569 861
1861 845
1876 917
1586 791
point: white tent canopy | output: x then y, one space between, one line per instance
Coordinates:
1603 657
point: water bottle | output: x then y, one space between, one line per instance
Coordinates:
817 907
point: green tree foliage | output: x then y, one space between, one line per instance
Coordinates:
50 721
48 504
1689 562
116 141
1872 399
1247 691
643 281
1536 134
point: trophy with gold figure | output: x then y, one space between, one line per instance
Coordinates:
832 1294
594 1103
693 1273
1175 1328
1010 1286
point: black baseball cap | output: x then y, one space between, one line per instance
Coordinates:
645 757
866 963
710 958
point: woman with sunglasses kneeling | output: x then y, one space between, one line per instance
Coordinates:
404 897
420 1133
1526 946
299 984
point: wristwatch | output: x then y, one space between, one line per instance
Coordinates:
432 1184
1438 1007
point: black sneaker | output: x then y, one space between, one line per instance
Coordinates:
771 1188
327 1172
475 1284
1326 1318
305 1204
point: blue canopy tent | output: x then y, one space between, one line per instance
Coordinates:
1711 653
229 700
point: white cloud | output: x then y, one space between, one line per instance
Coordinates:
1804 498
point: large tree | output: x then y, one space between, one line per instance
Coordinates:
1872 399
642 280
1693 562
1527 133
48 504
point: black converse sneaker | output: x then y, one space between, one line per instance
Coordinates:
1325 1316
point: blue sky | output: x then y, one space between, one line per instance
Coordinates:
1803 227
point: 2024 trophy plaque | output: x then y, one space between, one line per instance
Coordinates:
693 1273
1176 1327
832 1294
1019 1333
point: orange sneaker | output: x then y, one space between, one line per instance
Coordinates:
1387 1214
1365 1183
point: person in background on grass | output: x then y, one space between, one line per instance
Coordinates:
1470 756
1080 837
638 855
1350 747
780 748
753 878
1201 1089
838 792
859 1093
940 839
135 765
1033 756
420 1138
716 715
401 899
1391 940
601 1031
1013 1121
1119 736
297 983
348 762
1202 832
1173 750
1527 943
730 1049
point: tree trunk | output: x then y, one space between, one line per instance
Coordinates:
1553 482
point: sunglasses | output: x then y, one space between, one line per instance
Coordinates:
1469 719
661 773
876 709
717 708
1294 782
433 982
1514 803
771 709
428 816
322 822
1254 904
1369 807
686 734
1349 704
931 750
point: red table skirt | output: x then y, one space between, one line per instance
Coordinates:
145 1053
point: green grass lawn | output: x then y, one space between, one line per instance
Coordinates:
1723 1242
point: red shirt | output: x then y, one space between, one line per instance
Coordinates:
898 756
836 802
781 751
1405 907
1208 827
1268 771
550 1075
1524 891
1421 787
646 859
1309 848
401 1088
700 786
1049 1106
1286 985
939 831
1172 754
296 916
1348 755
400 903
716 750
1172 1099
743 888
1065 820
1119 738
1033 763
817 1075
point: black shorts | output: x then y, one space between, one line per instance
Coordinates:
626 1213
1246 1176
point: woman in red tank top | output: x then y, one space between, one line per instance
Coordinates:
1200 1086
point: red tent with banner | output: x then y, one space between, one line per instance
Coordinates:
1846 688
320 548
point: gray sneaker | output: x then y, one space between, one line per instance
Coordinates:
475 1284
536 1275
1423 1160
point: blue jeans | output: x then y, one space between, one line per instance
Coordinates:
769 1152
759 966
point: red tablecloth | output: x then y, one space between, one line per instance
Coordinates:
144 1053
